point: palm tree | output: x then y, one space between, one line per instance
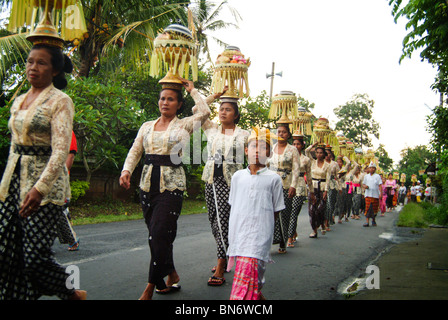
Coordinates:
206 18
123 31
109 25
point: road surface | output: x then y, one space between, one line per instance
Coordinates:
113 260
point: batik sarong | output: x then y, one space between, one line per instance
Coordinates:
248 278
28 269
372 205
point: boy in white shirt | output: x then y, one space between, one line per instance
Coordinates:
372 184
256 198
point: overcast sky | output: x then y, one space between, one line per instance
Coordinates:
329 50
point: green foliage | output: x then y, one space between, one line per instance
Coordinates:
437 215
421 215
384 160
302 102
107 118
255 111
413 160
78 189
206 18
412 215
440 181
356 120
14 49
428 33
5 137
438 127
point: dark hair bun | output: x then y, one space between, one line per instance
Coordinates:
68 65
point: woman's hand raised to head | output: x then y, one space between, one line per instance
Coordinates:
189 85
219 94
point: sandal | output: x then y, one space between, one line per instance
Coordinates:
216 281
74 247
290 243
173 288
281 250
313 235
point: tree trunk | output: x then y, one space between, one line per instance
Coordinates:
90 48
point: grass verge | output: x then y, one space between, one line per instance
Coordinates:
412 215
421 215
104 211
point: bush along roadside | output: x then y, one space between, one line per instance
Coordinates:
422 215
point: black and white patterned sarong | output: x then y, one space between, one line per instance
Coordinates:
297 203
332 196
341 204
222 197
357 201
28 269
282 223
66 234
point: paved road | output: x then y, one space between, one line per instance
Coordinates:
113 260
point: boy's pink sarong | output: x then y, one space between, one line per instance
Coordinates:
245 280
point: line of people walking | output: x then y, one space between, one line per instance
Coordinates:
249 209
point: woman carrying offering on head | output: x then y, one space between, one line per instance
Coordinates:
225 147
163 180
285 161
35 183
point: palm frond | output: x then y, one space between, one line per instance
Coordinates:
138 35
13 49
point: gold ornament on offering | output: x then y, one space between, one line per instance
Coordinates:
231 70
359 156
403 178
284 105
303 121
342 141
263 134
396 175
298 135
322 134
369 156
414 178
350 150
334 142
66 14
174 51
